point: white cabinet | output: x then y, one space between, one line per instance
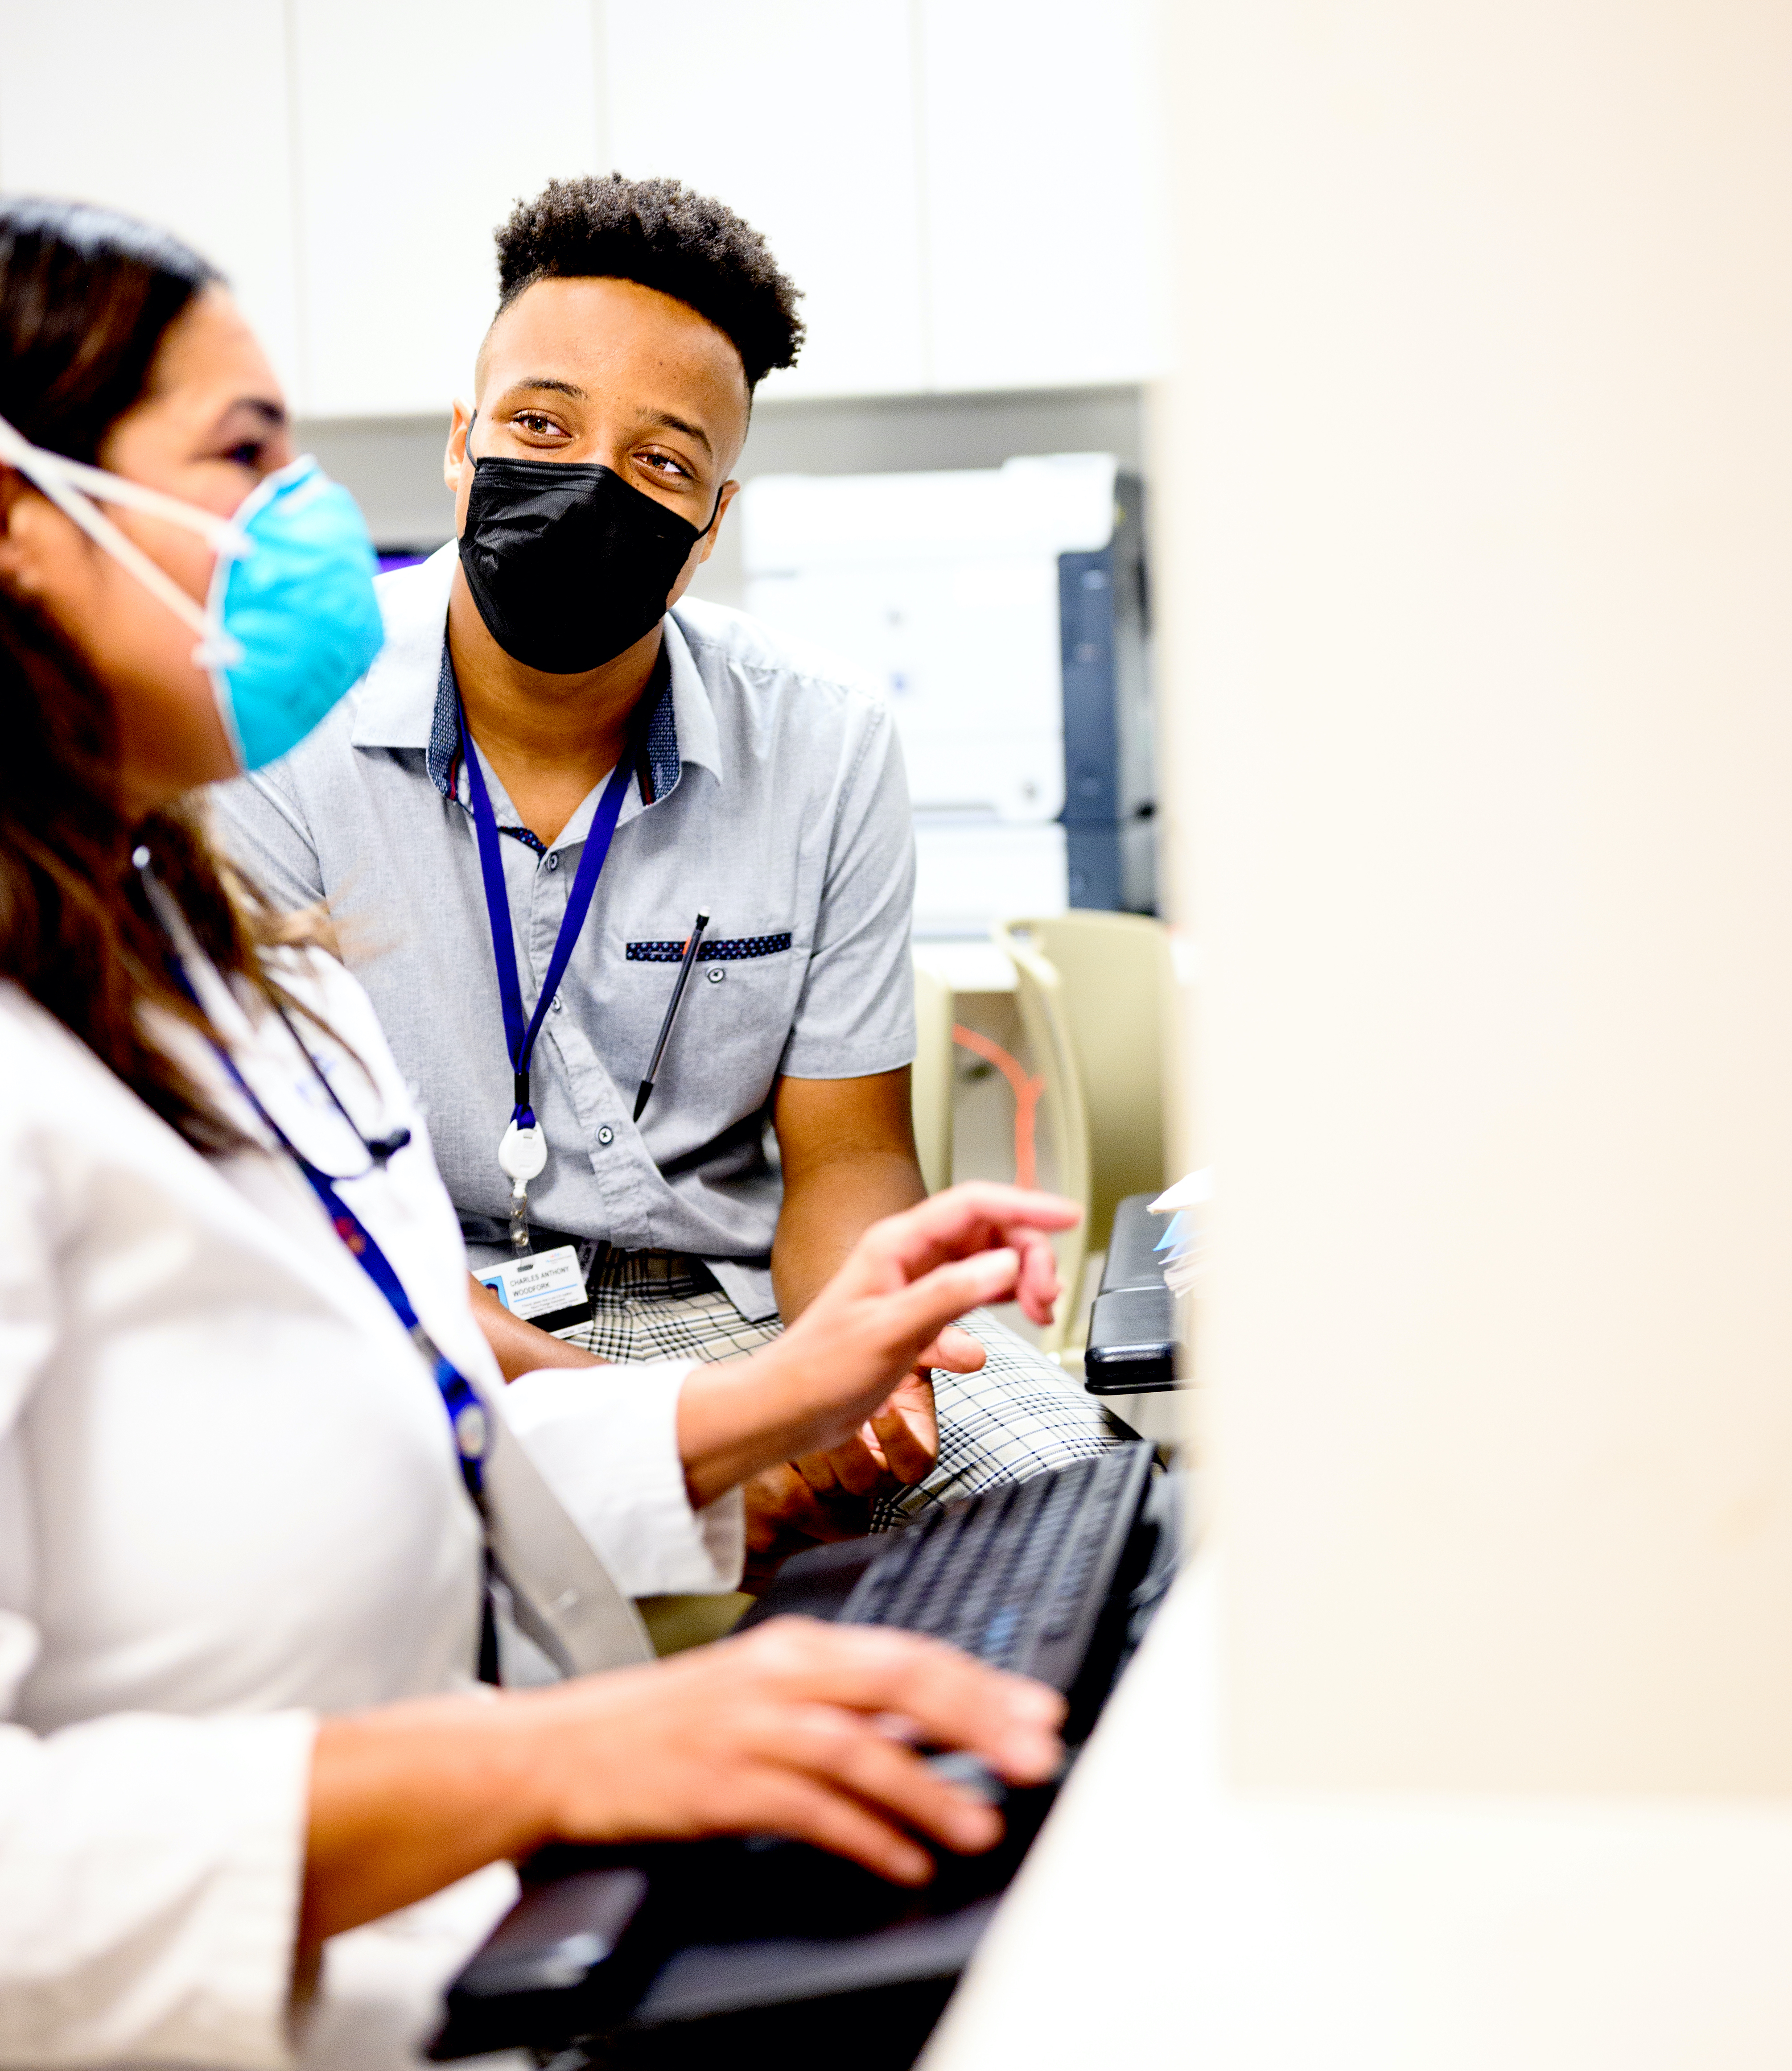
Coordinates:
967 190
175 112
418 126
800 114
1042 192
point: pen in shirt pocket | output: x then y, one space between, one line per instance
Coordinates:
646 1093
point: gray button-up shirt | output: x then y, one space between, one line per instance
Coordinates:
779 808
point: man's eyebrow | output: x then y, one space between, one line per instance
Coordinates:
677 424
551 385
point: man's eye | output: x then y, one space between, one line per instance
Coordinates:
542 427
664 464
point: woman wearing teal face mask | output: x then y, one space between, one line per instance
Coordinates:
253 1450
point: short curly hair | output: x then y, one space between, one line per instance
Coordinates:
658 233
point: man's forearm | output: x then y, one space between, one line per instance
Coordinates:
520 1347
828 1206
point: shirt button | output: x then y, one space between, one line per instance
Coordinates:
558 1003
716 973
554 860
606 1135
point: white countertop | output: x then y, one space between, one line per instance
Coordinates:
1164 1918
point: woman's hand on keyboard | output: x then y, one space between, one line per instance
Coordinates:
804 1730
798 1728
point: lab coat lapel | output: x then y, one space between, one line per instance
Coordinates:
565 1598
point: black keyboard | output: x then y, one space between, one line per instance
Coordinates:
688 1945
1018 1577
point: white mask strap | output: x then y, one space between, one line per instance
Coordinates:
64 481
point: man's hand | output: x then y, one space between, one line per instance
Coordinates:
895 1447
785 1515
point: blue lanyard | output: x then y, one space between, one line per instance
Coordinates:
519 1036
466 1414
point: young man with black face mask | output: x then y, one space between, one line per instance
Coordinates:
562 799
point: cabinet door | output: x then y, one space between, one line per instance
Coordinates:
418 127
176 112
1042 192
799 114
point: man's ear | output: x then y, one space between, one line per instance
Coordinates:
730 490
455 458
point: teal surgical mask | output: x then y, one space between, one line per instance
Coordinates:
292 622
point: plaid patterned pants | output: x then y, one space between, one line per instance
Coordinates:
1020 1414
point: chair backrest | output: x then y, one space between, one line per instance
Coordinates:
1045 1021
932 1080
1113 1001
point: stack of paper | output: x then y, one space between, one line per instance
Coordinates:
1182 1247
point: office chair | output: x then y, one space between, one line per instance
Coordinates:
1045 1022
1094 991
931 1089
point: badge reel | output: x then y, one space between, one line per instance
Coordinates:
522 1153
546 1288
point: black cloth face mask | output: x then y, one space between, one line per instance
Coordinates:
568 563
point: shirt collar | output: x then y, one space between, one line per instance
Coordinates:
408 697
699 737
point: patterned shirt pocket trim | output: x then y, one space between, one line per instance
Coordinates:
729 951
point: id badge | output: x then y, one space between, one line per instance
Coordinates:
546 1288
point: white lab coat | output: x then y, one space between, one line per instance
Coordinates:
229 1501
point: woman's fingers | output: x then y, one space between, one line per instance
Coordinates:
953 1701
781 1800
916 1313
1036 1284
957 1224
847 1751
970 1218
955 1350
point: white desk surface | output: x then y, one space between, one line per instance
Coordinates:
1163 1918
972 965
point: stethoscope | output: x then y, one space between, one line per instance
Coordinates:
380 1150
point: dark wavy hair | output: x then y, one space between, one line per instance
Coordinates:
660 235
86 298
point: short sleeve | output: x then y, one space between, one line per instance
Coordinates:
261 826
856 1014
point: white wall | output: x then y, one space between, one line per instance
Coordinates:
417 129
1043 193
800 114
965 192
178 111
1476 558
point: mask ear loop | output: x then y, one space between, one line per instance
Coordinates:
64 481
